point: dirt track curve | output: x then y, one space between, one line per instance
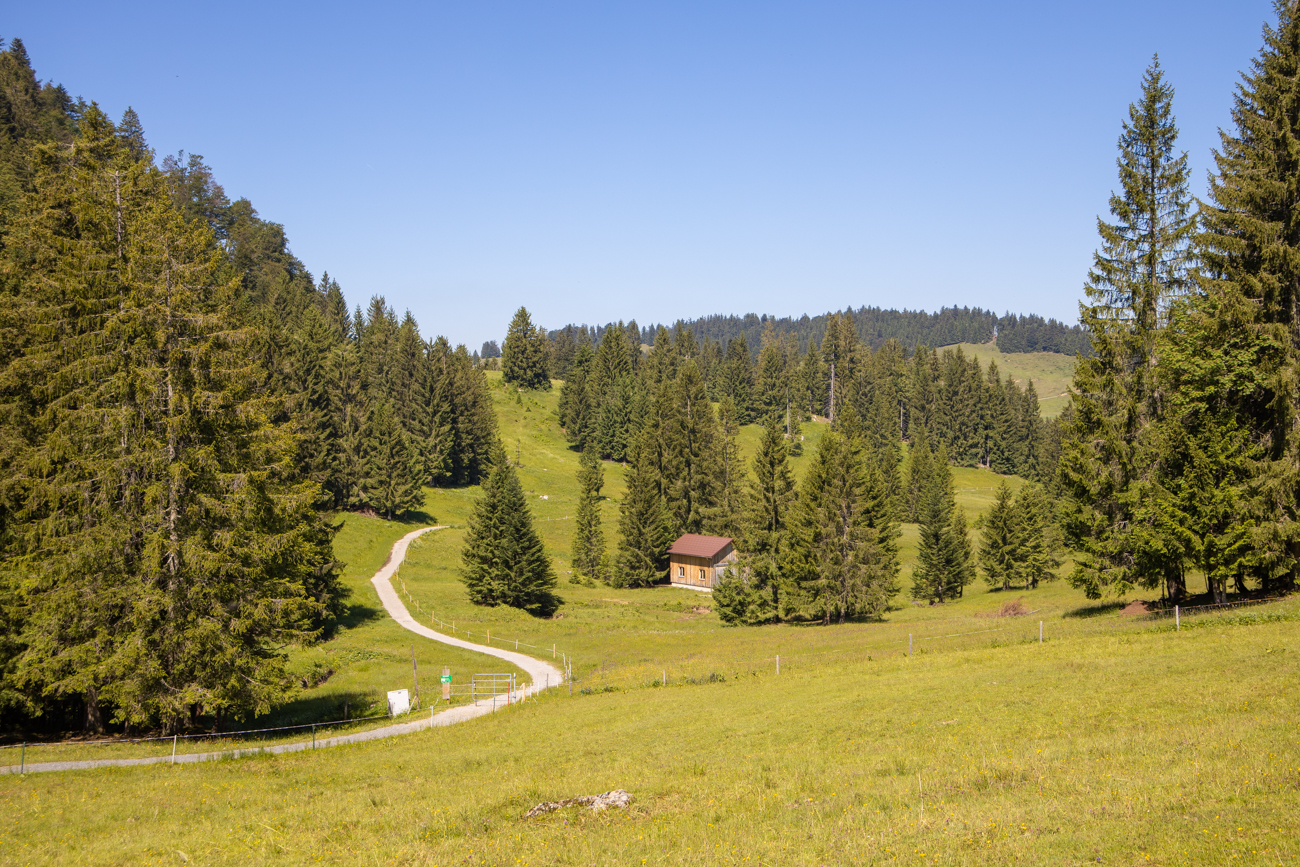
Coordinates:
542 675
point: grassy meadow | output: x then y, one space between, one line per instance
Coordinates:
1115 740
1126 743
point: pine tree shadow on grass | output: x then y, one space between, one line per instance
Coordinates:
1098 609
417 518
310 708
358 615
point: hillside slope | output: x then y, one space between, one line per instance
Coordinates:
1051 372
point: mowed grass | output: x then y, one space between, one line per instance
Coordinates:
1128 744
1051 372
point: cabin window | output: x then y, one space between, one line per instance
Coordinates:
702 574
681 571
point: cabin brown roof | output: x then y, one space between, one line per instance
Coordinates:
691 545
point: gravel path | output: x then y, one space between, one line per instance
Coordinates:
542 675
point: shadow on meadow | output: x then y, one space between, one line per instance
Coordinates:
1099 609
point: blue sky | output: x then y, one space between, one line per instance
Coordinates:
603 161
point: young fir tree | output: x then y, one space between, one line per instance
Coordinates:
736 378
920 469
644 528
588 537
614 420
578 409
165 545
1142 265
391 470
943 554
691 448
1000 540
503 557
751 594
841 561
725 518
523 357
1039 541
1251 252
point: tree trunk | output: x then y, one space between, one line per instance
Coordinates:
94 715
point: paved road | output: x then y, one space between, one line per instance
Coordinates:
542 675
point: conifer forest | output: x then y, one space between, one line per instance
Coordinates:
186 413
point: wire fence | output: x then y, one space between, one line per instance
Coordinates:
1025 631
486 635
175 745
687 670
1184 610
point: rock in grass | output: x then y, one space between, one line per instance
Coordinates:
616 798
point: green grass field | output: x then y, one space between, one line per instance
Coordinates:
1116 740
1122 741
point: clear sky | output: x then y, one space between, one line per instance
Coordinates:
598 161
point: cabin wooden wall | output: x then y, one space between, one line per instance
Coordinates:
693 567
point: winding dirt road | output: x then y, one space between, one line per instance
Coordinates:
542 674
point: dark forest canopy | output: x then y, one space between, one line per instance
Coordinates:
911 328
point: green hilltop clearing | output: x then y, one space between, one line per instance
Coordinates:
1118 738
1051 372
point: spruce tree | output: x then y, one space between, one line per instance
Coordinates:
523 356
691 444
725 518
391 469
503 557
1251 252
1000 540
964 574
1142 265
578 411
588 537
736 378
614 420
840 562
131 133
920 470
943 554
1039 541
165 545
751 595
643 524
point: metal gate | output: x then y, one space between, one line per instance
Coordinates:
492 686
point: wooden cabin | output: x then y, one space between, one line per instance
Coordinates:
699 561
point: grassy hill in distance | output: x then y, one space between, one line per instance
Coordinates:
1051 372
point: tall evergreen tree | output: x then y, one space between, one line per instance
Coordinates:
588 537
164 543
840 563
523 356
751 595
736 378
1251 252
726 517
391 469
503 557
920 470
1039 539
999 540
578 409
691 448
1143 264
644 525
943 564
